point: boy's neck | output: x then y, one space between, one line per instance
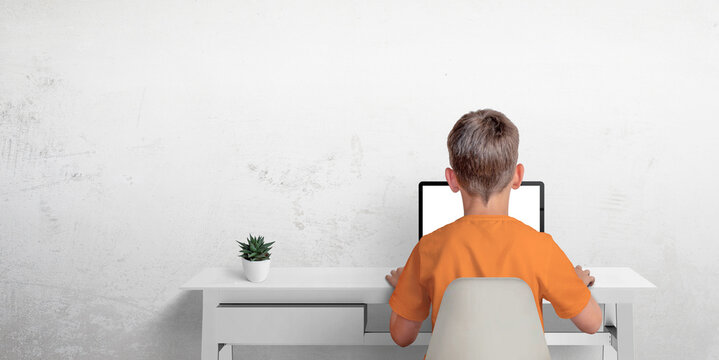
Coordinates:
498 204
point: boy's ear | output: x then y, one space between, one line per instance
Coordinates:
518 176
451 179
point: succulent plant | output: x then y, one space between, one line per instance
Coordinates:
255 249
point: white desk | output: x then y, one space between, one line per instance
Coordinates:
331 306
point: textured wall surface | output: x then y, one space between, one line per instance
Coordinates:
139 139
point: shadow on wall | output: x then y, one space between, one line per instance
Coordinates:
176 332
51 321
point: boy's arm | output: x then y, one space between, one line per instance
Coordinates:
403 331
590 318
565 286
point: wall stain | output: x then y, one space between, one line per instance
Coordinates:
64 155
49 216
83 291
303 182
17 122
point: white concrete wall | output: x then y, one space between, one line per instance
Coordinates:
139 139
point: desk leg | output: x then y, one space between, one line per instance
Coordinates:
625 332
209 345
224 352
610 323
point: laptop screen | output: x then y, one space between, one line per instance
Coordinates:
439 206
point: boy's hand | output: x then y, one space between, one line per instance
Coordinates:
584 275
393 277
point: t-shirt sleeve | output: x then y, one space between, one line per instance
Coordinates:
561 285
410 299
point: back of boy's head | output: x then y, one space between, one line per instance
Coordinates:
483 149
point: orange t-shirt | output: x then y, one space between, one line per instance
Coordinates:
487 246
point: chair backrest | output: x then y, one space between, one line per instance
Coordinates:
488 318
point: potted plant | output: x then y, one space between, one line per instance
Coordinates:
255 254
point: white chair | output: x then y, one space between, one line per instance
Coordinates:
487 318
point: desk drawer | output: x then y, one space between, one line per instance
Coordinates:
290 324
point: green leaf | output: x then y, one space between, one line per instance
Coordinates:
255 248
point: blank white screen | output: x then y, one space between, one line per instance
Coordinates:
440 206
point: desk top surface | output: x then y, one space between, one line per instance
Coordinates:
613 284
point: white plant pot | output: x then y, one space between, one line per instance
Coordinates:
256 271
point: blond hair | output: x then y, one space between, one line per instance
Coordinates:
483 149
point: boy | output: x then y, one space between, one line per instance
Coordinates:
486 242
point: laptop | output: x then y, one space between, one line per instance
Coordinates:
439 206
